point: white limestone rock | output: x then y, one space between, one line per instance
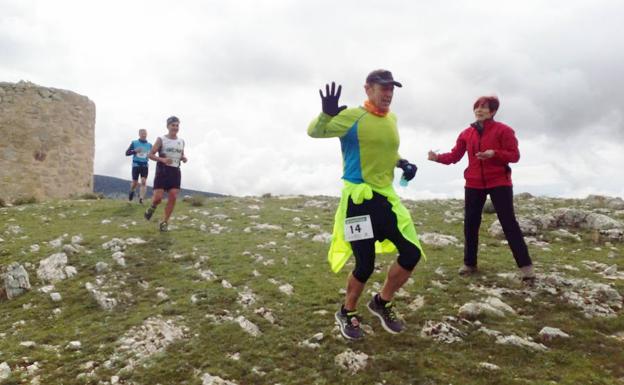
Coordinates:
436 239
118 257
488 366
207 379
101 297
56 243
207 274
491 307
351 361
115 244
70 249
323 237
101 267
417 303
55 268
248 326
312 342
246 297
135 241
266 314
441 332
74 345
5 371
566 235
153 336
549 333
16 280
527 225
519 341
56 297
286 289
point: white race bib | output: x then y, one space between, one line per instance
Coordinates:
357 228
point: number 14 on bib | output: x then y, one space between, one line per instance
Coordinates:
357 228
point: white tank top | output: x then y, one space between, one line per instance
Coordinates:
172 149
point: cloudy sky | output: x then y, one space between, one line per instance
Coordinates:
243 76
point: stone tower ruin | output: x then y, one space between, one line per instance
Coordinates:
47 142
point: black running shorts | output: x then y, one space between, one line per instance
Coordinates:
139 170
167 177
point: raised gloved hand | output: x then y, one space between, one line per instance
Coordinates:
409 169
330 100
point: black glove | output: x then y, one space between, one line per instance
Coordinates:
330 100
409 169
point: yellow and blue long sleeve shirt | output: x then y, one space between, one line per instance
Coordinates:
369 145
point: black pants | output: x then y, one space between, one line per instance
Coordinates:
502 198
384 223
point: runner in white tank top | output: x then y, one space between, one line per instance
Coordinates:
170 151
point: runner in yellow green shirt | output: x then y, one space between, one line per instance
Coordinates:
370 218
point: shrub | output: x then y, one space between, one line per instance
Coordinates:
197 200
25 200
91 196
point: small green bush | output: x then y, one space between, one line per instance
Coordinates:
197 200
91 196
25 200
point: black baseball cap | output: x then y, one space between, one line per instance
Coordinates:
382 77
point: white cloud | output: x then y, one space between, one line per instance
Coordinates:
243 77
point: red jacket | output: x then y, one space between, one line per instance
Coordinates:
488 173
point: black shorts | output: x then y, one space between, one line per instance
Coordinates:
167 177
385 226
139 170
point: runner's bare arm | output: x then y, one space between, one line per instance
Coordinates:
154 150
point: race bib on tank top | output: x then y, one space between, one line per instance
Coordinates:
172 149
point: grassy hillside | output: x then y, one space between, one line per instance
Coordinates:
112 187
179 307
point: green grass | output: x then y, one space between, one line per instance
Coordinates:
171 260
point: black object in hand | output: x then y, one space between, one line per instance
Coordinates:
330 100
409 169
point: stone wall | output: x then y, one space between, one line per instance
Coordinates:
47 142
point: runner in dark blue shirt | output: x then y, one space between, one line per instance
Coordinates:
139 149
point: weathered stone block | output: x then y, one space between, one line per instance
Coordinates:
44 130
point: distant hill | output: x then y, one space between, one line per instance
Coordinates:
112 187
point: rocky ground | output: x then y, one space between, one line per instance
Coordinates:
239 292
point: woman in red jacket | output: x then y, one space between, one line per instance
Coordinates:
491 146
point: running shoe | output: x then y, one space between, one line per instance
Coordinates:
527 275
149 212
466 270
386 315
349 325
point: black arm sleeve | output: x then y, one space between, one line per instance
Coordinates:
130 150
